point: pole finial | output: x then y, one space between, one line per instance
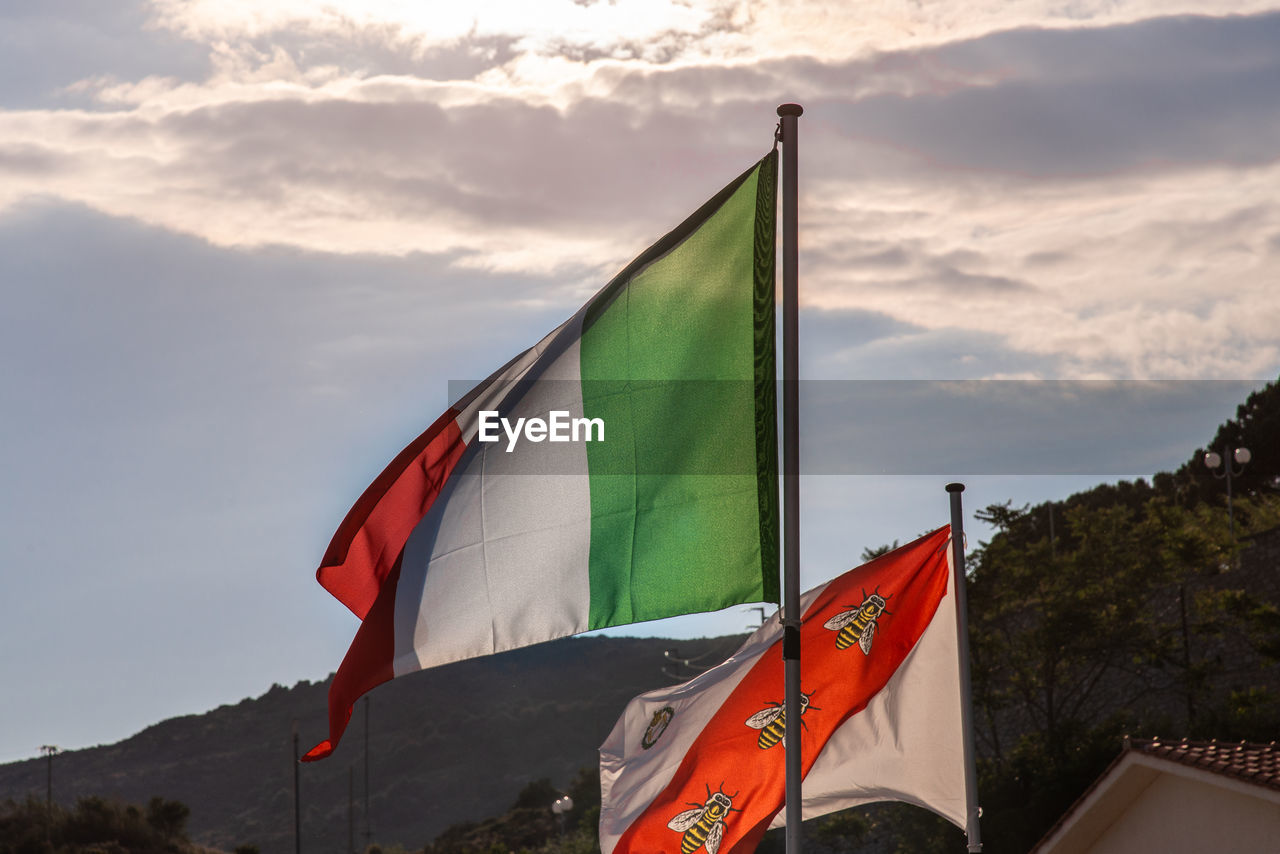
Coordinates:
955 487
790 110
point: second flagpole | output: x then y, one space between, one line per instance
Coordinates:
788 114
972 811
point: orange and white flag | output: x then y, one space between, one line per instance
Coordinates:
701 765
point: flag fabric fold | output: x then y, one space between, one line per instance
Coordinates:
701 765
464 547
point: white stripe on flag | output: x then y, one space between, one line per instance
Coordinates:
906 744
506 528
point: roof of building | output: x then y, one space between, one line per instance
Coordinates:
1247 762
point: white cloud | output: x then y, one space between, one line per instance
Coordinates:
1073 218
1165 276
707 28
540 27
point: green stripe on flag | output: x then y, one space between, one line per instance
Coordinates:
677 359
766 391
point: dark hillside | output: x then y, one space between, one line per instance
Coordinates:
1134 608
447 745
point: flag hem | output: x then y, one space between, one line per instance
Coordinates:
766 375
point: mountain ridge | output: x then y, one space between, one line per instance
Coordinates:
451 744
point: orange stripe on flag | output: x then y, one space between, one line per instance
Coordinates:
728 762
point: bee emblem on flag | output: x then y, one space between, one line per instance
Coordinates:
657 726
704 824
772 722
859 623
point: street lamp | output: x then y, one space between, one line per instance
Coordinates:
561 807
1213 460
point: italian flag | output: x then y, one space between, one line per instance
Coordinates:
664 503
701 765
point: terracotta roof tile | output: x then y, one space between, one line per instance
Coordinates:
1256 763
1248 761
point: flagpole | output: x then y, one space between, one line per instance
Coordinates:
966 692
789 113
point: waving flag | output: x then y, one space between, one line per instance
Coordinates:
700 765
664 503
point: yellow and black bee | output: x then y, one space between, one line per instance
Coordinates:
859 623
772 722
704 824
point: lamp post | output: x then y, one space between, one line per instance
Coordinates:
561 808
297 795
1212 460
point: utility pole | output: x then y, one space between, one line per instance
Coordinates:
297 803
1053 540
351 809
368 823
49 750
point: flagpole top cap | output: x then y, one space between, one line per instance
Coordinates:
955 487
790 110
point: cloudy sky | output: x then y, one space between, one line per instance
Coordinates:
245 246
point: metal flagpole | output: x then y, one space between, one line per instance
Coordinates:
789 113
966 692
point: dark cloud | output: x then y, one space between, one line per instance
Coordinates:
856 345
1050 258
30 160
1195 230
1155 95
862 254
1178 49
961 284
49 45
1029 103
909 265
893 257
596 165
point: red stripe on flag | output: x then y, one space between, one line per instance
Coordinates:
367 665
372 536
726 757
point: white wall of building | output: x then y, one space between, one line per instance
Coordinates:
1175 814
